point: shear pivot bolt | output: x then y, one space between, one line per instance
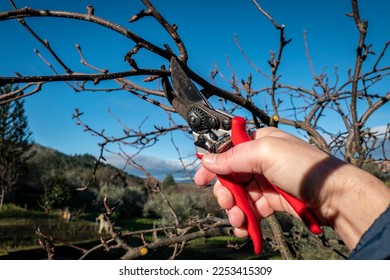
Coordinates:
226 124
194 119
210 122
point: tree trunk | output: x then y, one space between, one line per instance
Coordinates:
2 193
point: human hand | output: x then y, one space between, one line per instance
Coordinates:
339 194
275 157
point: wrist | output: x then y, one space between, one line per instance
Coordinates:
354 200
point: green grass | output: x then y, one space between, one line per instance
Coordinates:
18 228
134 223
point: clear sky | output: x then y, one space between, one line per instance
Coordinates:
207 29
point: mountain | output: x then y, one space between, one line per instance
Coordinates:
47 167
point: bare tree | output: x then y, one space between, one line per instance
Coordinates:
354 100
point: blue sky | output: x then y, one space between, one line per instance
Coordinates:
207 29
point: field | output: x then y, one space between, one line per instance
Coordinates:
19 239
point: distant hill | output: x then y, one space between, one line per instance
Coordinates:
51 160
46 165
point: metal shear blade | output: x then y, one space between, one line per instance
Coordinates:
187 90
211 128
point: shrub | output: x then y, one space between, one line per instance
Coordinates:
187 202
131 199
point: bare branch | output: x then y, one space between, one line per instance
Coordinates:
360 58
171 29
28 12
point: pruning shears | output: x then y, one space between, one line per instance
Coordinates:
216 131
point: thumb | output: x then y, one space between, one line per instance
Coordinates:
239 159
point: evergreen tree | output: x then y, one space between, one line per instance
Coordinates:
15 140
169 183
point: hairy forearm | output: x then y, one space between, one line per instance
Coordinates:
357 200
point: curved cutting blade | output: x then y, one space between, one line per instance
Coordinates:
183 86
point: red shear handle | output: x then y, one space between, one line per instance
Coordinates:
239 135
243 202
302 210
